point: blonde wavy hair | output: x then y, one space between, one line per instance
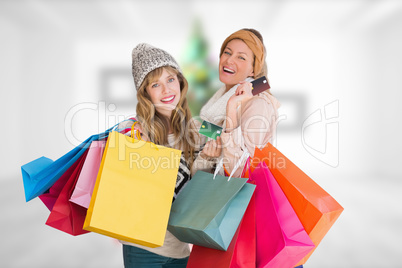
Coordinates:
155 125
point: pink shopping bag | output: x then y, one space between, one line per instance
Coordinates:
87 178
281 238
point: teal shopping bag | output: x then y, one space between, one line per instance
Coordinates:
208 211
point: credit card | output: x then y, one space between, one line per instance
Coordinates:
210 130
259 85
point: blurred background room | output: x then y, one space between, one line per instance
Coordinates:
65 68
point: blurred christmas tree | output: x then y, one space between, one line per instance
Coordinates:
200 72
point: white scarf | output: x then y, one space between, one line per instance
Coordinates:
214 111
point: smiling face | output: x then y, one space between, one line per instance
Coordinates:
235 63
164 92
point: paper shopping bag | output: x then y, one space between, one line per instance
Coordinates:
134 190
241 252
86 181
50 196
316 209
281 238
40 174
208 211
66 216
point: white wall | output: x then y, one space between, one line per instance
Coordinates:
341 54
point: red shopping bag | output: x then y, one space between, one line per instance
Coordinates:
65 215
240 253
316 209
50 196
281 239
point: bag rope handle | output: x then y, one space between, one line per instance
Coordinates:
137 132
219 166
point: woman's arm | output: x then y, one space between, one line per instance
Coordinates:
253 125
240 98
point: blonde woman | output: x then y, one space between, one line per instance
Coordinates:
248 121
164 118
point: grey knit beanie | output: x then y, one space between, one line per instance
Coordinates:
147 58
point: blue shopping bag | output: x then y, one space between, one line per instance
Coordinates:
40 174
208 210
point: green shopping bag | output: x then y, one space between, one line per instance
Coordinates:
208 211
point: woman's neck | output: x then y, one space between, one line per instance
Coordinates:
168 127
165 116
228 87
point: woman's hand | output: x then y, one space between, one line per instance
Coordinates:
138 129
137 126
212 149
242 94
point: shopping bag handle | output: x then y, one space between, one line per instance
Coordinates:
219 166
138 134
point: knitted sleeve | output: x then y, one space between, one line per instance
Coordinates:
183 176
124 127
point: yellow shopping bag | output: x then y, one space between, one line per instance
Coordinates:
134 190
